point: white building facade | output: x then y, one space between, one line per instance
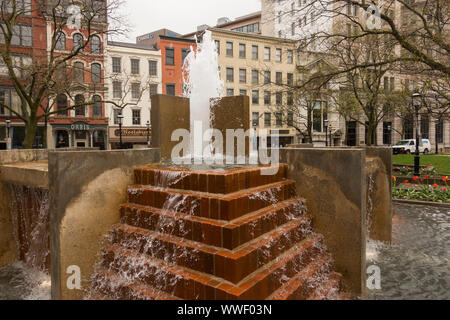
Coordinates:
132 75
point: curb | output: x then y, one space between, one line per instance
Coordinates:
422 203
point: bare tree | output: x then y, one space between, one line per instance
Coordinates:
47 72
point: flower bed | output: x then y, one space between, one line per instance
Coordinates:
417 189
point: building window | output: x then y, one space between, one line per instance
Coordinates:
153 67
97 106
95 45
440 131
3 102
320 115
279 119
170 89
80 108
267 77
117 113
78 72
217 42
242 92
117 89
425 126
293 28
229 49
242 75
290 79
135 90
242 50
61 104
255 76
153 89
267 97
255 52
290 119
170 56
279 78
230 92
60 43
135 66
96 70
255 119
184 54
279 98
255 97
21 36
267 53
116 65
290 98
290 56
267 119
230 75
408 127
136 117
77 41
278 54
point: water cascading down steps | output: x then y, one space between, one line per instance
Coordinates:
205 235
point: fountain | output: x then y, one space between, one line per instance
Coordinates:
202 231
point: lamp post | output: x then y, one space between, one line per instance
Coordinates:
148 133
326 132
331 135
390 134
417 153
120 117
8 141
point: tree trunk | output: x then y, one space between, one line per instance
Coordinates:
30 129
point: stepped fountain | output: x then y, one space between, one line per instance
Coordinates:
202 231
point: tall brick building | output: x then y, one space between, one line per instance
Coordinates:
84 127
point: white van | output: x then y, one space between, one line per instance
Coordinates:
409 147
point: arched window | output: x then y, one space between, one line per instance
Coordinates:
77 41
61 104
60 43
78 72
95 44
97 106
96 70
80 111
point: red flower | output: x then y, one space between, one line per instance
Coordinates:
406 181
415 179
427 176
445 179
421 180
407 167
444 189
435 186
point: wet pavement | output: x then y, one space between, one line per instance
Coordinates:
417 265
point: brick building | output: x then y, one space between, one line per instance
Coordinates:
173 52
83 127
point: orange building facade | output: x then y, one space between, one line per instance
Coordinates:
173 52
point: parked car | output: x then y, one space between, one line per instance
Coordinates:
409 147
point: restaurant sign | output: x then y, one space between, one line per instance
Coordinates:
132 132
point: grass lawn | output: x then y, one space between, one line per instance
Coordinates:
441 163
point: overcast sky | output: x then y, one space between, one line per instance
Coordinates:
182 16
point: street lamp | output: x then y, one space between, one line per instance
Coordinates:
417 154
390 134
8 141
148 133
120 118
331 135
326 131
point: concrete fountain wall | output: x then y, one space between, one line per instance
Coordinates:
86 189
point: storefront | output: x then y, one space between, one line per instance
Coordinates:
80 135
132 137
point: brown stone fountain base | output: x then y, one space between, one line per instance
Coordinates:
206 235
